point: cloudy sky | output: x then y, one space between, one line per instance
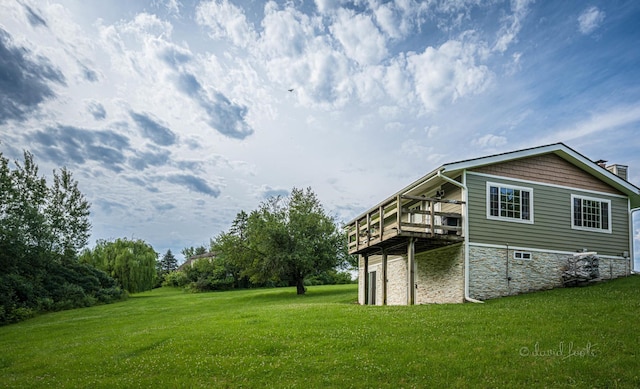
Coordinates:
175 115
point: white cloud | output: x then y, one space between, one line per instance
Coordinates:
173 6
386 19
286 32
297 56
447 73
325 6
225 20
606 121
398 82
490 141
361 39
413 148
396 19
590 19
511 25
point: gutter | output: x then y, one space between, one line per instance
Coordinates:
465 221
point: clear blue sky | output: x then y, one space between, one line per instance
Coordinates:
174 116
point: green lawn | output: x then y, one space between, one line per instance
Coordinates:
581 337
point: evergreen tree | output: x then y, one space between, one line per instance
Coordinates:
168 263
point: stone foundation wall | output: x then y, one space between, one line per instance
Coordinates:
396 275
489 271
397 284
440 275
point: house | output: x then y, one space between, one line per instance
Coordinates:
494 226
194 258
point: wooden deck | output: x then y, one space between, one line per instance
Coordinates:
393 223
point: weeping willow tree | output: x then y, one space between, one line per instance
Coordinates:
131 262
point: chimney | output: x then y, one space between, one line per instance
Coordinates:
602 163
618 170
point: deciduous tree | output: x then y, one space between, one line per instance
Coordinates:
293 238
131 262
42 229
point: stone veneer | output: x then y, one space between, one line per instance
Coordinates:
439 277
439 274
488 271
396 274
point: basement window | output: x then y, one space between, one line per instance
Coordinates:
521 255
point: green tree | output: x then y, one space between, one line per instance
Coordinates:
131 262
167 264
208 274
291 239
189 252
234 250
42 229
68 216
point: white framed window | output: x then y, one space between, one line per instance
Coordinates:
521 255
590 214
510 203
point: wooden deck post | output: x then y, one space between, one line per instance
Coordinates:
399 213
366 278
368 229
381 224
357 235
411 251
433 218
384 277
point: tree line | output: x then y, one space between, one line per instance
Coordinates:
287 241
42 229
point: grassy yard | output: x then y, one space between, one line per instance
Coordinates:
582 337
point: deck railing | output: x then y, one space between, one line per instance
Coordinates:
406 215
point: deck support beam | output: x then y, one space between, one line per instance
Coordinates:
384 277
411 276
366 278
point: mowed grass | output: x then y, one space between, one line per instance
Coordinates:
580 337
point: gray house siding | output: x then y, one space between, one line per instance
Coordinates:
551 228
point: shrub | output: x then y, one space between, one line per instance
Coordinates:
175 279
208 275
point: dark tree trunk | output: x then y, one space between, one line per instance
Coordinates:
300 286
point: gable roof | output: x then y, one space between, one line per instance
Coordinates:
453 169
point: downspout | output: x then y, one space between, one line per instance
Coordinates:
465 223
631 236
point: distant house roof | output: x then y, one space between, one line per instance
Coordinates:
190 261
452 169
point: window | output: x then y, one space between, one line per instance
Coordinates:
521 255
511 203
590 214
